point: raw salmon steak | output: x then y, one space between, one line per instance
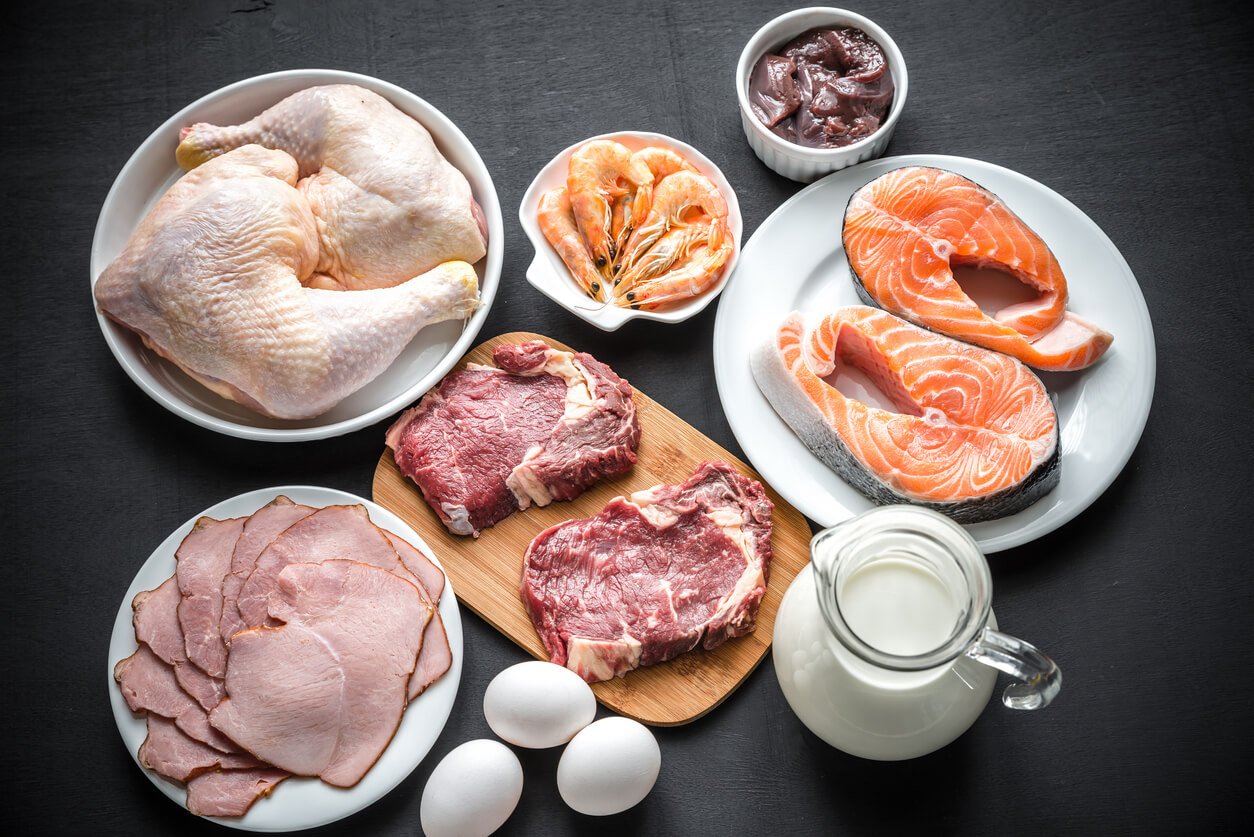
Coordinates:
974 435
904 233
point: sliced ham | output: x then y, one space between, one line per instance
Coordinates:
175 755
332 532
266 524
204 559
148 684
431 576
230 793
323 694
157 626
436 657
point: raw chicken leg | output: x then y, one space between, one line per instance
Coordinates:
387 204
211 280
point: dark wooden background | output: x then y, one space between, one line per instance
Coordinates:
1138 112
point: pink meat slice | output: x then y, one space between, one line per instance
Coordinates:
203 560
266 524
436 657
171 753
652 575
323 693
230 793
329 533
431 576
148 684
157 626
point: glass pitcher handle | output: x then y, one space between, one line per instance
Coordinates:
1039 678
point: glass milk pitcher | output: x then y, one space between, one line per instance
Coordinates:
886 645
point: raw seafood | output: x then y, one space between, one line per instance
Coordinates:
829 88
681 245
598 174
388 206
643 230
543 426
323 694
557 223
211 280
974 435
906 230
652 575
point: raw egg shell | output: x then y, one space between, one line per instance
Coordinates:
472 791
608 767
537 704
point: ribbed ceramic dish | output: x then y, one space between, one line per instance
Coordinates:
789 159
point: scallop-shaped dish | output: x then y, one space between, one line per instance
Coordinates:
549 275
151 171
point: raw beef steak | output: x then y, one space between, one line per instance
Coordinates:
542 425
652 575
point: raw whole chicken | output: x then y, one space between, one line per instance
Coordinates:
212 281
387 205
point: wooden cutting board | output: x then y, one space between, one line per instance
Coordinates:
486 570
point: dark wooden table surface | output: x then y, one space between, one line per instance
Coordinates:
1139 113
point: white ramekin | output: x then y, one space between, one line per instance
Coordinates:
789 159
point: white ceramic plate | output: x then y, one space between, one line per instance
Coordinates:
299 803
795 262
152 170
549 275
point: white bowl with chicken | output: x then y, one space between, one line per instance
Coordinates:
226 404
553 278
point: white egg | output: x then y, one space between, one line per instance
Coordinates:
537 704
608 767
472 791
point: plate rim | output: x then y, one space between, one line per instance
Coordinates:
488 287
390 521
1148 363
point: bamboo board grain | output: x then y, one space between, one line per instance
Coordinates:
486 571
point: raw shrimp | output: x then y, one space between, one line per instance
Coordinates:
674 245
682 283
661 162
598 174
558 225
682 199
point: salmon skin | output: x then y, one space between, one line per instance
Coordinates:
905 231
974 434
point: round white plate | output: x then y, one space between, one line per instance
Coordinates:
152 170
299 803
795 262
548 274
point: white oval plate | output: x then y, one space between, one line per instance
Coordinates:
151 170
299 803
795 261
549 275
